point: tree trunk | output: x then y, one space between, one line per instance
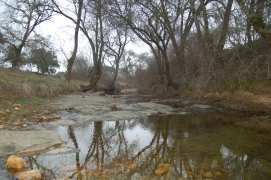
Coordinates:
223 34
248 31
94 79
170 81
113 86
158 59
71 60
256 20
15 63
225 26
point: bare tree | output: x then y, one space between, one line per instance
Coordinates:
72 58
92 26
116 45
23 17
150 25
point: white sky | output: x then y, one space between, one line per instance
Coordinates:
61 31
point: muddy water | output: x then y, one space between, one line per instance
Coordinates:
195 146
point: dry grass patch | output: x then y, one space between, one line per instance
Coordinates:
23 84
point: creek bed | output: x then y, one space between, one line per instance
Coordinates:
209 144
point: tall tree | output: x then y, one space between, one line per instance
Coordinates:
116 45
255 18
77 25
150 24
225 26
92 26
23 16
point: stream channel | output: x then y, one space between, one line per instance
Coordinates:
198 144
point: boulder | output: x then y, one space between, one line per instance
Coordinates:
16 162
29 175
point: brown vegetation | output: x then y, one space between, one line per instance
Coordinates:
241 79
24 84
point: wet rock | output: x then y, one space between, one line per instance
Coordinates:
61 122
121 115
149 112
148 105
198 176
171 100
224 171
29 175
27 141
191 174
161 171
68 168
132 166
57 117
61 150
184 113
113 107
44 118
16 162
186 102
218 174
201 106
208 175
126 107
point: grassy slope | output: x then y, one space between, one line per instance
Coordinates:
23 84
32 92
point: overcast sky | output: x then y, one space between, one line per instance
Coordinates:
61 31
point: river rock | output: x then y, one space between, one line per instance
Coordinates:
161 171
19 142
208 175
28 175
191 174
61 122
218 174
184 113
16 162
121 115
126 107
201 106
16 105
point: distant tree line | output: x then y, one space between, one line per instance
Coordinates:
188 39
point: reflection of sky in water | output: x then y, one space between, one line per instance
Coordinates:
83 135
141 136
190 149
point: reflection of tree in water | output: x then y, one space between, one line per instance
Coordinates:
186 145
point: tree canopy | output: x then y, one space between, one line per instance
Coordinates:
187 39
45 60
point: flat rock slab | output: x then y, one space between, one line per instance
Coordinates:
24 142
121 115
